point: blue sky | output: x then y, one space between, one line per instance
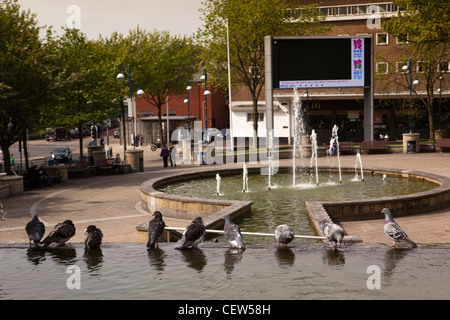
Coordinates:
105 17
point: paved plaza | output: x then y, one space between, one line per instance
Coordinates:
112 202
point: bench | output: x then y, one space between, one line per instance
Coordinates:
345 146
79 167
54 174
103 165
442 143
374 145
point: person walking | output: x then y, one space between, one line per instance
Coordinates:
165 155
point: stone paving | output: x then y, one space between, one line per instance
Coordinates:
112 201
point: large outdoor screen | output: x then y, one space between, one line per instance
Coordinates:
320 62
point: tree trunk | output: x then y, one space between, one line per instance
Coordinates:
161 134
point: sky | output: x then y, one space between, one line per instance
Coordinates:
95 17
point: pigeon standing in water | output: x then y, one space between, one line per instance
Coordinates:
284 234
155 229
60 234
233 234
93 237
35 229
193 235
332 232
393 230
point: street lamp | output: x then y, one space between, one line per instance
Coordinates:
140 93
440 99
206 93
407 68
188 88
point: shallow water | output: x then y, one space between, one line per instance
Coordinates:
306 270
285 203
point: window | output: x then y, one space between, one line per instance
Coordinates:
361 10
444 66
382 68
171 112
260 117
422 66
382 39
402 39
399 66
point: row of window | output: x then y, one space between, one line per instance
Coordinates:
347 10
421 66
382 39
362 9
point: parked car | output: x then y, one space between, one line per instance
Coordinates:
59 133
62 154
117 133
74 134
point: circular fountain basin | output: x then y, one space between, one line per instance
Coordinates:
420 193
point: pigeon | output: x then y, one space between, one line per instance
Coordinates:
233 234
35 229
332 232
93 237
155 229
193 235
284 234
60 234
393 230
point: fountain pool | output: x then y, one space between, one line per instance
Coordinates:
285 203
303 271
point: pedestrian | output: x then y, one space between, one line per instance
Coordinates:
43 176
118 163
165 155
11 160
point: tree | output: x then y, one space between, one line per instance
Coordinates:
83 82
24 75
426 25
161 64
248 23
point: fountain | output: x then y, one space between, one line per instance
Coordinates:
335 140
244 179
218 184
358 160
314 154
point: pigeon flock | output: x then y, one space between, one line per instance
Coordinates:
195 233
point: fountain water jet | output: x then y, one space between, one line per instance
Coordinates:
218 178
244 179
358 160
314 154
298 130
335 139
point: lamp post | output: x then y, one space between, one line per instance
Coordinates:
206 93
440 100
140 93
188 88
407 67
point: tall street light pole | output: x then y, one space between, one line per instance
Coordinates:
140 93
206 93
407 67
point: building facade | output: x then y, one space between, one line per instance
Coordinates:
344 107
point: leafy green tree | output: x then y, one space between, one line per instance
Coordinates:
83 82
248 23
426 26
162 64
24 75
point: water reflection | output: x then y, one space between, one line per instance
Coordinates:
333 257
285 256
309 267
194 258
156 259
94 259
232 257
